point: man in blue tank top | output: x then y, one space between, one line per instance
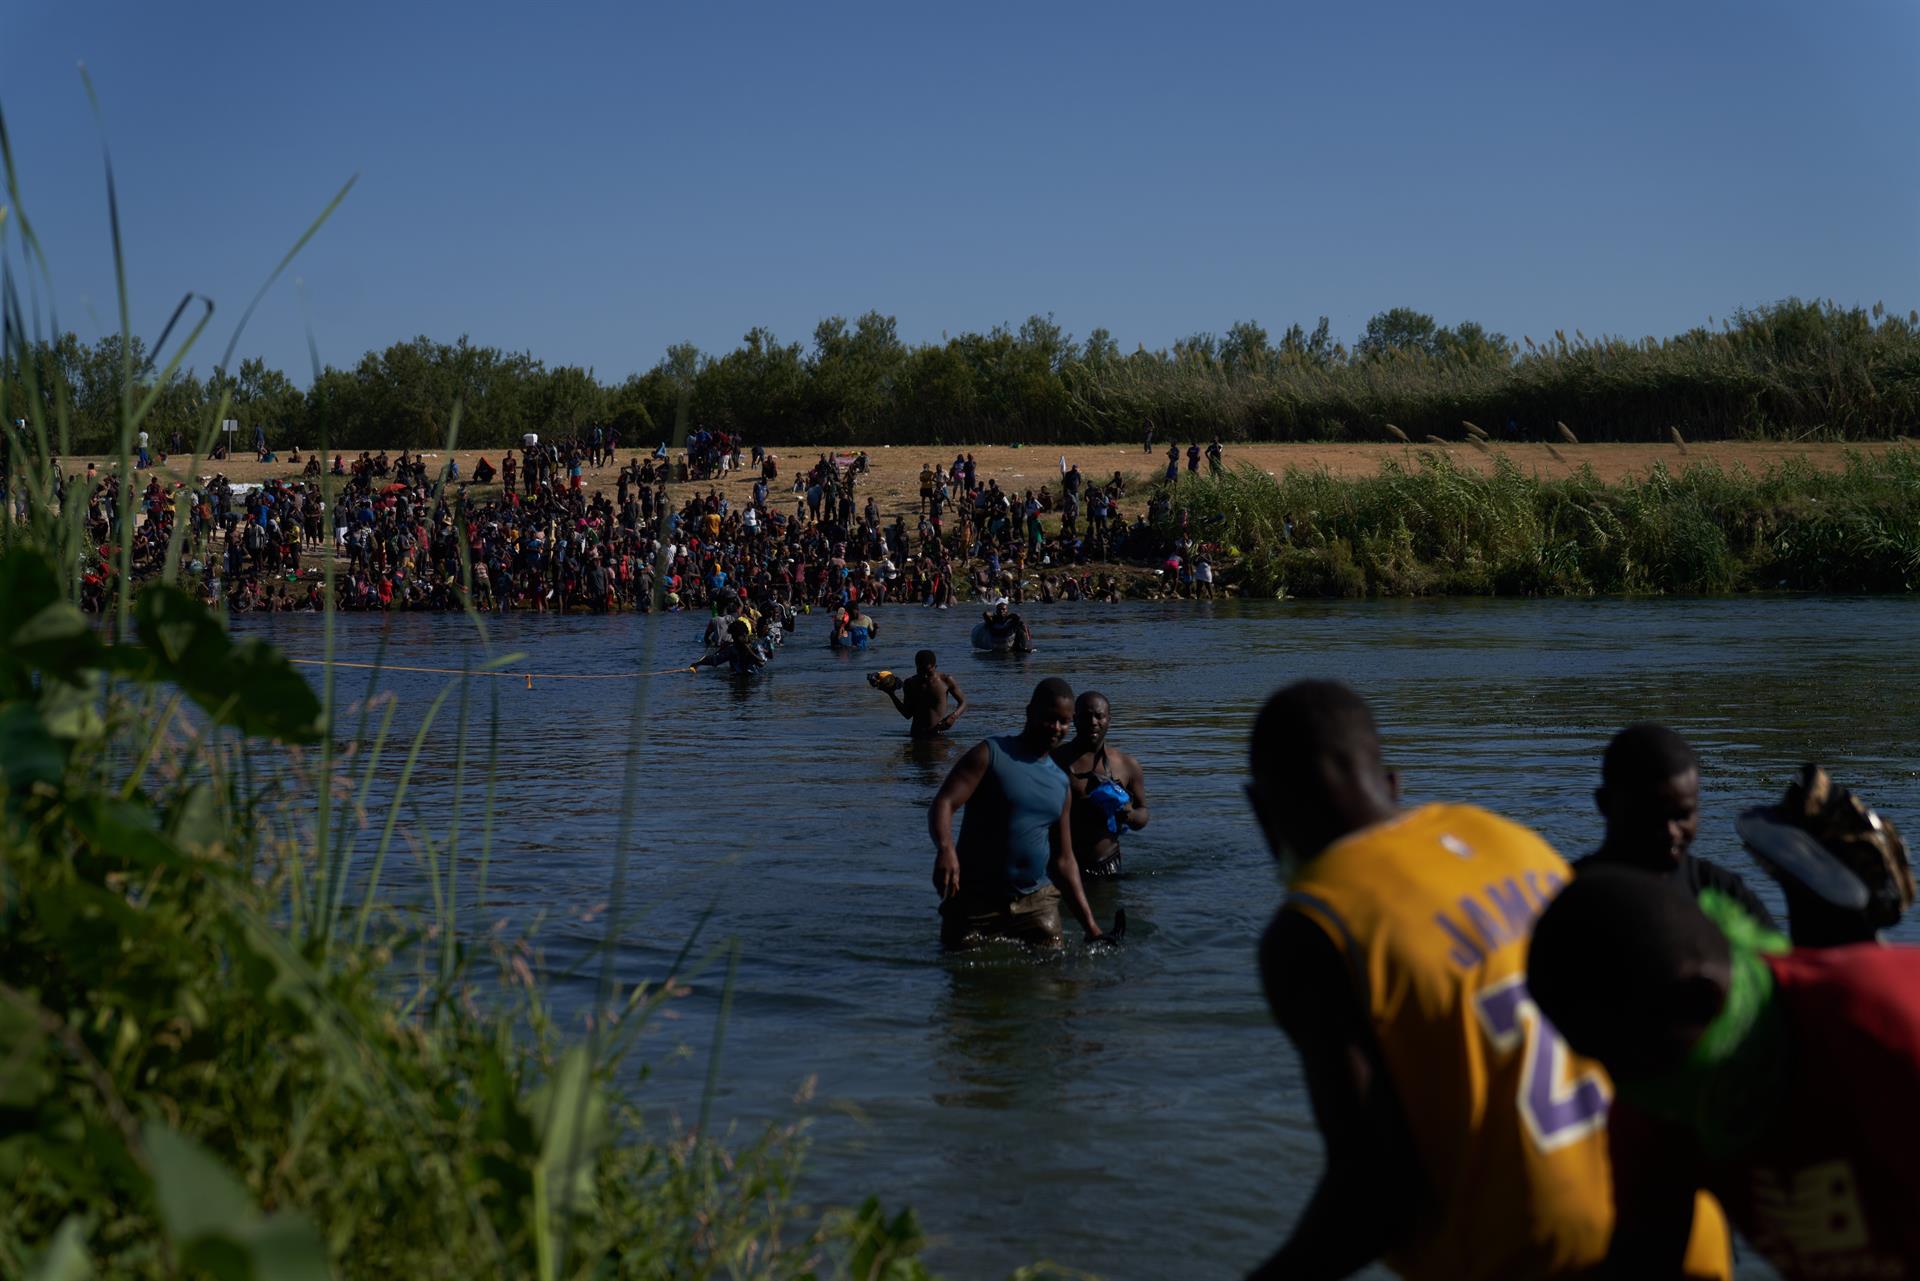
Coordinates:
1014 859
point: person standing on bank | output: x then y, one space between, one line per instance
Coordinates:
1109 788
1006 875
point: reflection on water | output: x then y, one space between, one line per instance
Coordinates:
1142 1092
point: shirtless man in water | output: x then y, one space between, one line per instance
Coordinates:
1109 788
1002 622
922 697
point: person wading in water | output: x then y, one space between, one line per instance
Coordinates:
922 697
740 655
1649 795
1109 788
1014 860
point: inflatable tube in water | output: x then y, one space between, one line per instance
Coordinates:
985 640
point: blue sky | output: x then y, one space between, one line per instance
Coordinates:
590 182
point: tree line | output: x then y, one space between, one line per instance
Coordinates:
1794 368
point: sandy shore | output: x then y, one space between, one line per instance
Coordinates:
896 470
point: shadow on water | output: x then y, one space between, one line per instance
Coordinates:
931 758
986 1020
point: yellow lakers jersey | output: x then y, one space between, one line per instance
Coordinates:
1432 911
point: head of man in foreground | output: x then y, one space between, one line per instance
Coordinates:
1318 774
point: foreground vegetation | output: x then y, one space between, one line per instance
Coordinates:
1426 526
223 1052
219 1061
1799 369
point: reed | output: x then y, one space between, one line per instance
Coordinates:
1436 528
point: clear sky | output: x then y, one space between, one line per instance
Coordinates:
590 182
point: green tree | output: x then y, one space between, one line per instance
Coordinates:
1316 349
1401 329
1471 344
1244 349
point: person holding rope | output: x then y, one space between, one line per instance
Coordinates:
740 655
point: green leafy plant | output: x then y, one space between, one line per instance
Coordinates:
1435 528
222 1053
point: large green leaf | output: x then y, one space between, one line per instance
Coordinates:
25 1075
572 1111
123 829
65 1258
29 604
213 1224
58 640
194 1193
28 582
71 709
36 623
282 1247
29 754
194 820
248 685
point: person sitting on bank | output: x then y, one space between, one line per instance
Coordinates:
1006 875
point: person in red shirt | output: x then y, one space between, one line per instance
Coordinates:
1780 1080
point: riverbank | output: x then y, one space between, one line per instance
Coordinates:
1435 519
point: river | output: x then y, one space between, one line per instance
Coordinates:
1132 1113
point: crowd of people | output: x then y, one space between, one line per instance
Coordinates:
1520 1067
527 532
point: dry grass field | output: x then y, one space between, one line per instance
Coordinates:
896 471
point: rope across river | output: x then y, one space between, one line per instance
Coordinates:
530 677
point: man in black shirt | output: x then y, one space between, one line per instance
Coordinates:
1649 794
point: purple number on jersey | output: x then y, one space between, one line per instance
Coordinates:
1555 1115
